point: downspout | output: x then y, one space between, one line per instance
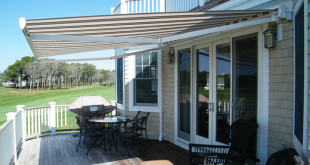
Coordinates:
160 124
161 96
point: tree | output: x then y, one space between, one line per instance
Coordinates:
77 70
11 73
111 77
19 65
96 75
105 75
30 69
2 75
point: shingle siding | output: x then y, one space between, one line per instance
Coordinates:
281 92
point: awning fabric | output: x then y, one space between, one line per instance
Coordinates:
59 36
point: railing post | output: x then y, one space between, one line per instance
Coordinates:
22 109
11 116
113 102
52 117
162 7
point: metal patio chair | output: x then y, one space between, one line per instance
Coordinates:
138 125
88 130
241 132
132 134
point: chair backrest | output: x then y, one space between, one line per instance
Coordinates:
286 156
144 116
241 131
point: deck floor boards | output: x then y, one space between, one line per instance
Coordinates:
61 149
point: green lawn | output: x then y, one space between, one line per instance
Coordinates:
10 97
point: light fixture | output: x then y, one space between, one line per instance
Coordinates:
269 38
170 57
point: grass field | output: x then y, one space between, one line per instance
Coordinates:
10 97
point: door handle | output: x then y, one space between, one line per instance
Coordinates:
210 107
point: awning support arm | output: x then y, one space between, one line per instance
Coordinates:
216 29
104 58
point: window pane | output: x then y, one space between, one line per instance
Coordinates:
139 59
299 74
119 82
146 72
146 91
154 58
146 59
223 91
153 71
139 72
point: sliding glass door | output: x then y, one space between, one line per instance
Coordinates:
184 94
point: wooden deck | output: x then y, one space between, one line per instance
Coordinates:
61 149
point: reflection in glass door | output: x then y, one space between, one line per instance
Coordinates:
203 91
222 92
245 81
184 94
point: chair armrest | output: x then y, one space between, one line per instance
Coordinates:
197 152
200 153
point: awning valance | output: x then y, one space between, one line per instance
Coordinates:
59 36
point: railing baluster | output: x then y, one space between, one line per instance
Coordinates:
61 117
66 117
136 2
28 122
69 119
131 6
35 121
157 5
57 118
48 116
144 6
42 116
140 3
73 121
39 125
45 123
153 6
32 122
148 6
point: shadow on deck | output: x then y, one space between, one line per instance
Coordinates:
61 149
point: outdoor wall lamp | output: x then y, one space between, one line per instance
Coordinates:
170 57
269 38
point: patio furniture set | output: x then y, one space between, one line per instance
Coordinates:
102 127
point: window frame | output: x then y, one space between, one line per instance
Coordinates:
302 147
132 75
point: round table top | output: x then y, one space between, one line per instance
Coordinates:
110 119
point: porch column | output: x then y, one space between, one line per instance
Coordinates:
52 117
11 116
22 109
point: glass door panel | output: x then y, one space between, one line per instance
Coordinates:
202 113
222 92
245 81
184 94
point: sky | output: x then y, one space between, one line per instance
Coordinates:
13 45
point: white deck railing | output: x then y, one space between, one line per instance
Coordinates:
32 122
153 6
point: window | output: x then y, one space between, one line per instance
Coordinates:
146 79
299 75
119 83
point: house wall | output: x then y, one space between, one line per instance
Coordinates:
281 92
168 98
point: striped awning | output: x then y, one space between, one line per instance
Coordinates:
59 36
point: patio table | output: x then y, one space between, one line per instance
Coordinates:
110 120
